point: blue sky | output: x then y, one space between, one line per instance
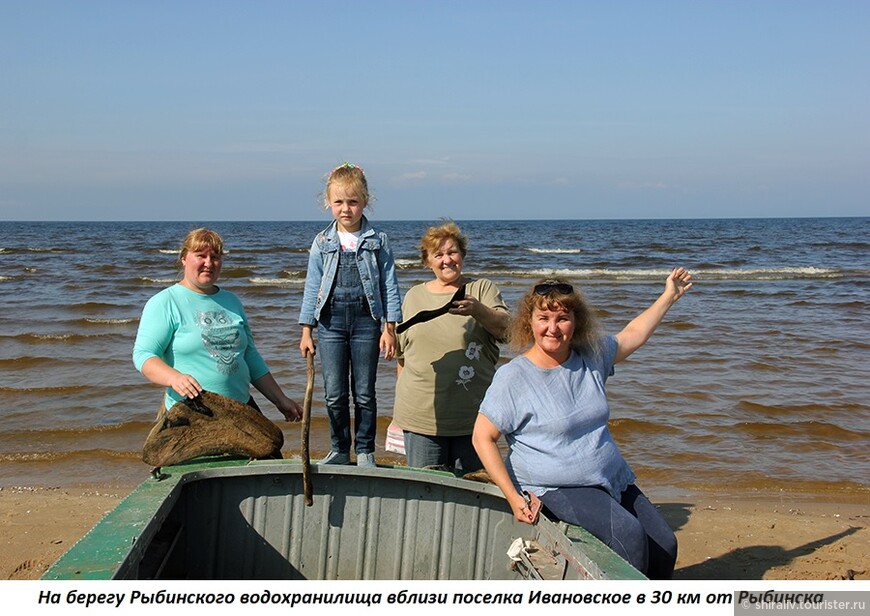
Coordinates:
114 110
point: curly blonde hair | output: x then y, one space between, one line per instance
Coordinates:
587 329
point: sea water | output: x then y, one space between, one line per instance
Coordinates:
758 380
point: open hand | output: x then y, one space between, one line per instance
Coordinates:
678 282
185 385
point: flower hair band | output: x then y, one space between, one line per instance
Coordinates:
346 165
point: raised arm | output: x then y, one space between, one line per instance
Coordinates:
636 333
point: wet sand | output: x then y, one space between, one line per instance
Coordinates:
733 537
720 538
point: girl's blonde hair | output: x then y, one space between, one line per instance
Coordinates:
201 239
435 236
587 330
351 176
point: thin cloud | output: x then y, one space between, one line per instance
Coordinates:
262 148
653 185
411 177
457 178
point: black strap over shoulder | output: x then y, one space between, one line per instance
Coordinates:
428 315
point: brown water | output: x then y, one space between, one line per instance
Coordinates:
757 382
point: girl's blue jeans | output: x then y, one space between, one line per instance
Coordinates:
347 343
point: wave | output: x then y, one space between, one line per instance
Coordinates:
57 391
92 306
56 456
657 274
54 434
627 424
276 282
164 281
807 409
816 431
556 251
759 366
94 321
177 251
860 246
27 361
683 325
237 272
277 249
31 338
32 250
773 273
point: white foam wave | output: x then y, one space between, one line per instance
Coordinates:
556 251
53 336
773 273
110 321
158 280
177 251
276 282
610 274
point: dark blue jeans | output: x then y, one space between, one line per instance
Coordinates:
457 452
632 527
347 343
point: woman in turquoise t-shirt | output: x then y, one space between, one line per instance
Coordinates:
194 336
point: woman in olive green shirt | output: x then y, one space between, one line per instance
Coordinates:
446 363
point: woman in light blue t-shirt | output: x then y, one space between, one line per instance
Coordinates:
195 335
550 404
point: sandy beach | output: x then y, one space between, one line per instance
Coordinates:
720 538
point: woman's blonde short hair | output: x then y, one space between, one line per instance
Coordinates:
586 327
435 236
201 239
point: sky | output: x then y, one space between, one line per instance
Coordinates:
237 110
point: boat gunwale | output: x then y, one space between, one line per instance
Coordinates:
118 541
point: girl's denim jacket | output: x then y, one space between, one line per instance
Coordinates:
377 270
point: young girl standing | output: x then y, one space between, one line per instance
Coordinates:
350 289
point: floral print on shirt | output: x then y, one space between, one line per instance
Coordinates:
466 373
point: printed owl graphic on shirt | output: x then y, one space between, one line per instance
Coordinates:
221 339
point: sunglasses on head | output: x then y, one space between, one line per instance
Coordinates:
548 286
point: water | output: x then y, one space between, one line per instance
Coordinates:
757 381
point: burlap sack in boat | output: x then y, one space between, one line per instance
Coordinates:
209 425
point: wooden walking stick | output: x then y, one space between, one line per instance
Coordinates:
306 429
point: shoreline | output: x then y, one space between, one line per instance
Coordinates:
721 537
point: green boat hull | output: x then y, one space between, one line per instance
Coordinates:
231 519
